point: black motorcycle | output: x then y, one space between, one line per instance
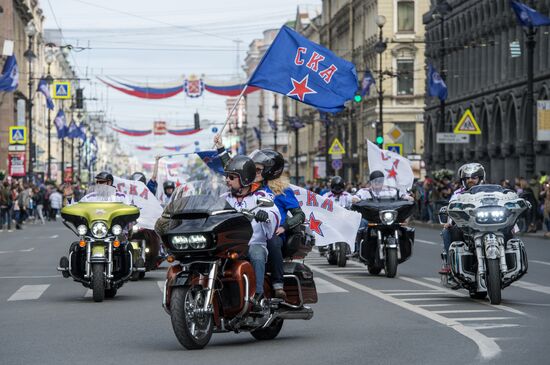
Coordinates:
387 241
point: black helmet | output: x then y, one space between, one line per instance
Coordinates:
376 174
471 170
272 161
139 176
105 176
168 185
244 167
337 185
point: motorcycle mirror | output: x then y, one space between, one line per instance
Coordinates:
264 202
443 215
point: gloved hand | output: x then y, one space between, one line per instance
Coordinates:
261 216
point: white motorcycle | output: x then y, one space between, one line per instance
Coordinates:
489 258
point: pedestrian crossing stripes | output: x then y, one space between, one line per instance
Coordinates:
28 292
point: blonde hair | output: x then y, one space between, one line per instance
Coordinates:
278 185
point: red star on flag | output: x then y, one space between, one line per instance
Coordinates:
315 225
392 174
300 89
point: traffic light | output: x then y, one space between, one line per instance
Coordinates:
357 98
79 99
197 121
379 135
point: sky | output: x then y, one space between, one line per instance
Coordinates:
158 42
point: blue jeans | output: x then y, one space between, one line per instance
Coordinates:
5 217
258 257
446 235
275 261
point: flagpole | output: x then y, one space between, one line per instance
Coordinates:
234 107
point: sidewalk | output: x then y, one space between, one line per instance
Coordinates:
538 234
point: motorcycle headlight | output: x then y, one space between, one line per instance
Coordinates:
193 241
82 230
492 215
99 230
388 216
116 229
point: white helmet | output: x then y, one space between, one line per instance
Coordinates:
471 170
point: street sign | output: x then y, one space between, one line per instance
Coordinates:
61 90
16 147
337 164
18 135
467 124
395 133
452 138
16 163
336 148
394 147
543 120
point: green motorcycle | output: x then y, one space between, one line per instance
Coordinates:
102 259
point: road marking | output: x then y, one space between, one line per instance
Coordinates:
160 283
325 287
54 236
435 305
406 290
423 299
540 262
493 326
459 294
89 293
30 277
418 293
364 272
426 242
488 348
465 311
28 292
26 250
473 319
532 286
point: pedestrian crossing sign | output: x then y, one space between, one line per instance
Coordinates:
394 147
467 124
61 90
336 148
18 135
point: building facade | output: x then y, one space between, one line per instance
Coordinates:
484 76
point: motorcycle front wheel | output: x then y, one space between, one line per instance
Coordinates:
98 282
492 278
341 257
391 262
192 328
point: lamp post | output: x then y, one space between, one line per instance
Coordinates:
529 145
441 10
275 108
30 31
50 57
260 117
296 153
379 48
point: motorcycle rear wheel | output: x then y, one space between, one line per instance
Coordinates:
390 265
269 332
341 257
98 282
374 270
191 332
492 278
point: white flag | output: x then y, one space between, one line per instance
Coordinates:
329 222
396 168
141 197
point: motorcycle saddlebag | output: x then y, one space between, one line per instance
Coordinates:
406 243
516 261
298 279
297 244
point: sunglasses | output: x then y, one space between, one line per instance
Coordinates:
101 182
259 170
231 177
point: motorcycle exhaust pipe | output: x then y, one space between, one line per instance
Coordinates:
305 313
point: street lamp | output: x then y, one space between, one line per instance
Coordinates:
50 57
379 48
275 108
30 31
441 10
260 117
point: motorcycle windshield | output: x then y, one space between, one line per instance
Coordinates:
199 197
101 193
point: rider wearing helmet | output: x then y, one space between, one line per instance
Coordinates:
337 192
152 184
104 177
470 175
168 187
240 174
270 165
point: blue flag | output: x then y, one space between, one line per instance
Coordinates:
528 17
272 124
368 81
258 133
295 123
82 133
73 131
436 85
45 90
241 150
303 70
9 79
212 160
60 124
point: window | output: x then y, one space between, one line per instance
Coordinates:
405 77
405 16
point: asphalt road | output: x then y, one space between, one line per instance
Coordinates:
360 319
